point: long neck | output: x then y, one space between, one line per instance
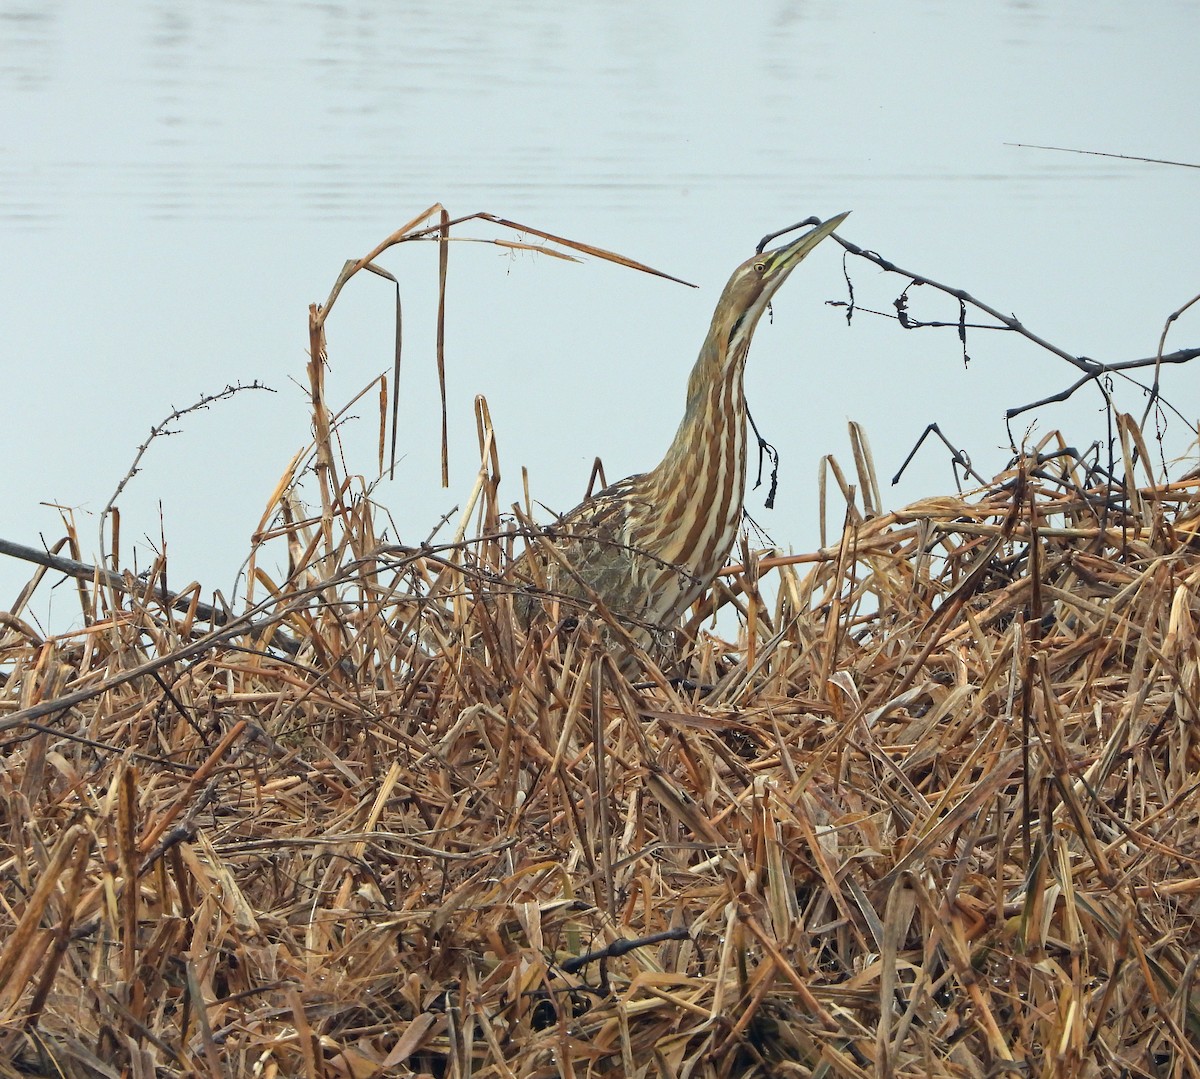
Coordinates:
697 488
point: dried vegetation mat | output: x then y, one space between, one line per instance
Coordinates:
935 814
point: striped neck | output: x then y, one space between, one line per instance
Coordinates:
695 494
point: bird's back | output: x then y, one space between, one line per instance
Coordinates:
601 550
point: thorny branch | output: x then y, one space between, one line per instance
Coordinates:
165 428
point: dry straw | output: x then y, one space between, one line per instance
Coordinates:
933 814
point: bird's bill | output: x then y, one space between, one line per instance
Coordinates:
782 260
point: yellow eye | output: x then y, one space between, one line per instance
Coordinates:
760 267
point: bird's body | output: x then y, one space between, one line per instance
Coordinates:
648 546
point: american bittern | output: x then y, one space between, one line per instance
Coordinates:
649 546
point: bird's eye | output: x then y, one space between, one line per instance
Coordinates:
760 267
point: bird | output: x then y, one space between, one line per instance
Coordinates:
648 546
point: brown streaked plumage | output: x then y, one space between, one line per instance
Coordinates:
649 545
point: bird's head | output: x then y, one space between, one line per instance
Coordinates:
753 285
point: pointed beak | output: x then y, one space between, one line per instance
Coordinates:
782 260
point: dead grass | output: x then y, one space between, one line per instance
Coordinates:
934 814
940 814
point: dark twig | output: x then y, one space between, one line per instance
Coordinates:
621 947
783 232
205 612
1007 322
165 428
958 458
1102 153
1093 371
1183 355
765 449
1160 359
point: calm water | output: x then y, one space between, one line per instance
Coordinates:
178 182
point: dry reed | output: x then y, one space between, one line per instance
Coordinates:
934 814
